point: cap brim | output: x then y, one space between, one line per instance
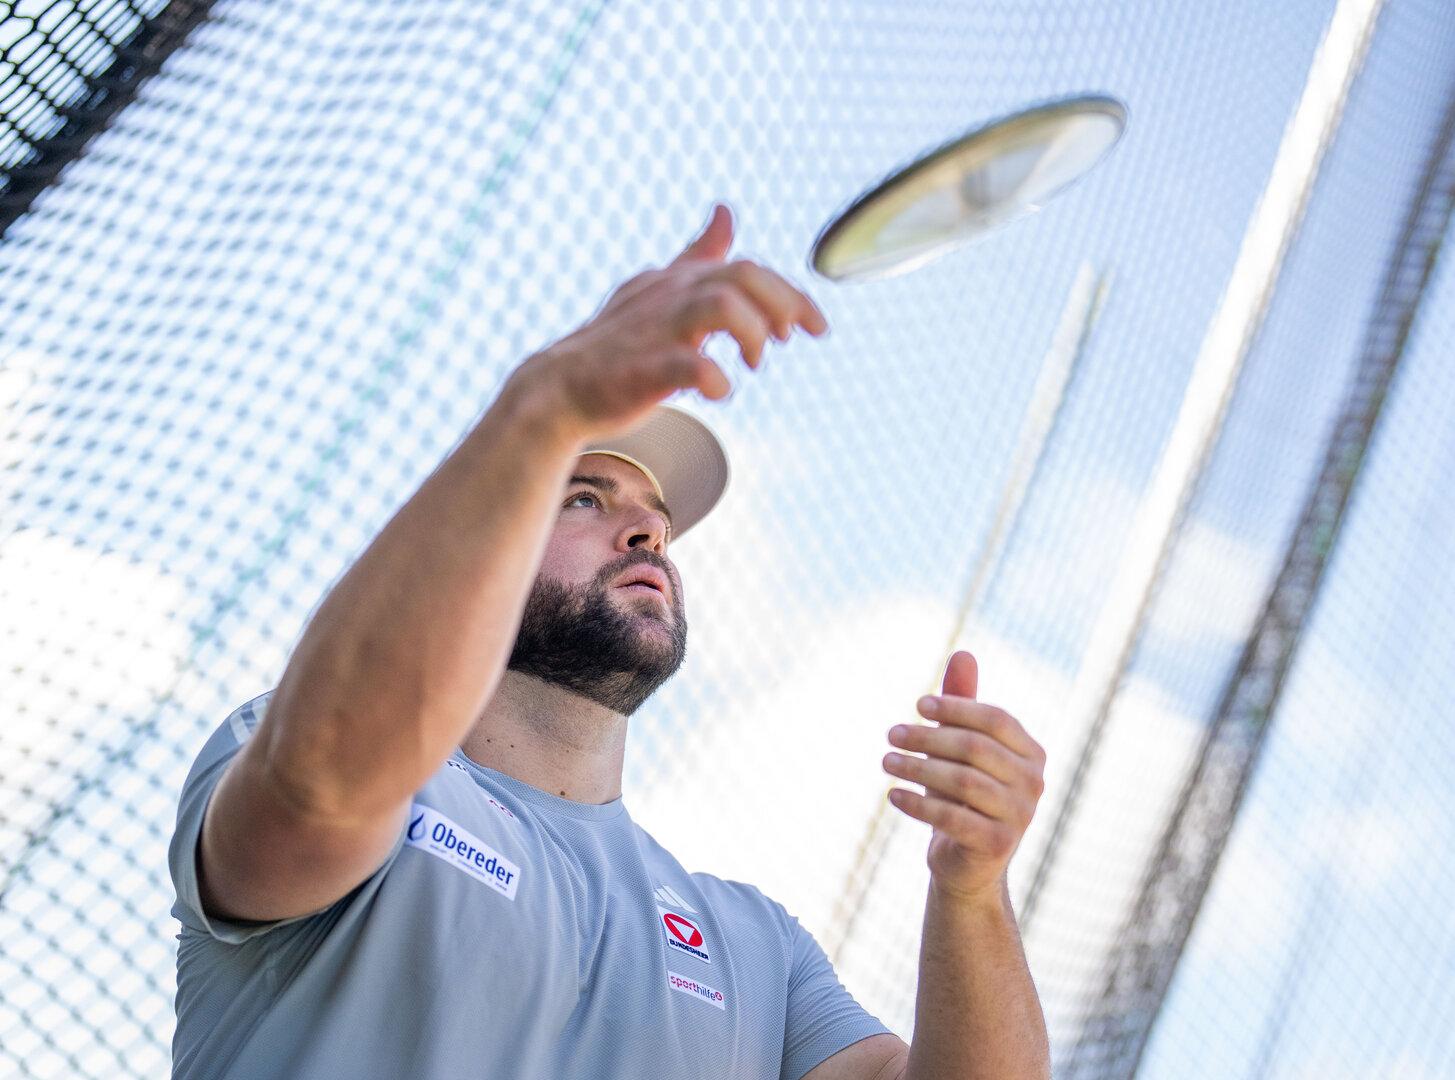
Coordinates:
684 456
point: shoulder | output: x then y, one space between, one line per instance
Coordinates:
743 896
240 724
727 894
228 737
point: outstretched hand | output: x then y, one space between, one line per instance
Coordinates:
645 341
982 774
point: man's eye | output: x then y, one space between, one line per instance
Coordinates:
585 495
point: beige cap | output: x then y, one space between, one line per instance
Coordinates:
681 456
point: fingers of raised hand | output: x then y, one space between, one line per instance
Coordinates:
717 305
962 783
685 367
714 239
781 303
987 836
956 711
962 745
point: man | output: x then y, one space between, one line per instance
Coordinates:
411 859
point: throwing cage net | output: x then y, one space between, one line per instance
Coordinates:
1169 458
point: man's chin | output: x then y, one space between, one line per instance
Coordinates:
652 635
645 608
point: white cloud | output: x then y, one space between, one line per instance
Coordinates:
1371 843
20 373
1212 589
778 787
85 635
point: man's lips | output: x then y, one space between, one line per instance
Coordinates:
645 577
645 589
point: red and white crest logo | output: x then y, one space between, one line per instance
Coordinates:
683 935
682 929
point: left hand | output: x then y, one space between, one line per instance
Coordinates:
983 776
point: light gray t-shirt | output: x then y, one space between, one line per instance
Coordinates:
509 934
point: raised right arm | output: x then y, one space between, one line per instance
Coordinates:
405 652
396 663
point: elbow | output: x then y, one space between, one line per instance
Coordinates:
324 765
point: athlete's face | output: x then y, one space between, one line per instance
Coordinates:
580 630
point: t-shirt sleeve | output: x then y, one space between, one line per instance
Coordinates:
211 762
823 1016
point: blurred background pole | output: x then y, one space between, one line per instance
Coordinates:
1058 369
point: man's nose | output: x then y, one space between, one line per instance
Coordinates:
646 529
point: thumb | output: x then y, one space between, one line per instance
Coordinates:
714 240
962 675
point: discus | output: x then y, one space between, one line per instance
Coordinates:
954 194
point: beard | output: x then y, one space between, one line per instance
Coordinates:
614 650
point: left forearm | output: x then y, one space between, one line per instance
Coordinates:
977 1016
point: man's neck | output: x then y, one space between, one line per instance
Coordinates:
550 738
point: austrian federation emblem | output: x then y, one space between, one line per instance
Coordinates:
683 935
